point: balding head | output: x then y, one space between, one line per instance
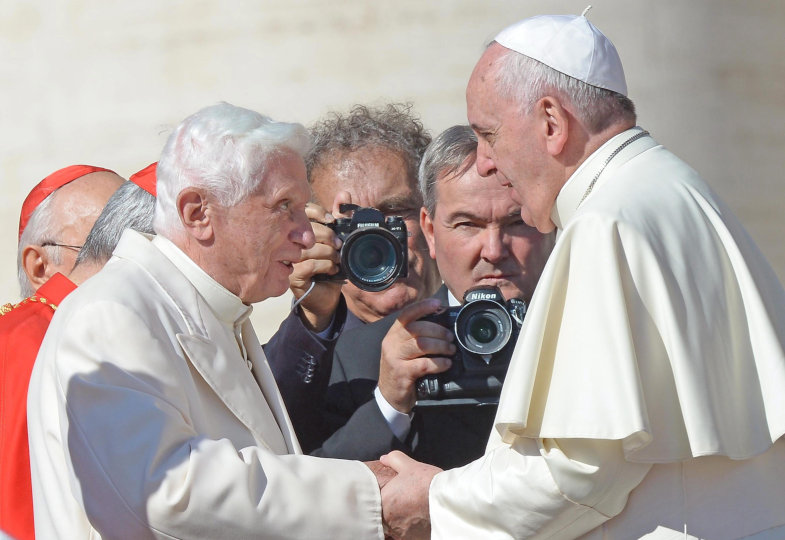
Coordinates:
58 227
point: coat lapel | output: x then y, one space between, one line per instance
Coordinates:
266 381
236 388
206 345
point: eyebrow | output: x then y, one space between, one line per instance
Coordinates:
480 129
466 215
463 215
286 193
399 201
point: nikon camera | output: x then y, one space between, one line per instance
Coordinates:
486 328
374 252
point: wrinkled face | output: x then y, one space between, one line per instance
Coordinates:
257 240
511 144
378 178
477 237
77 207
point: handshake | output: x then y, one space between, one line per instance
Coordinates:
419 347
404 485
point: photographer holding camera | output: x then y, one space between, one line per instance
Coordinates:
367 157
476 236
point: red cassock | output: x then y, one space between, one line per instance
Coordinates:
22 328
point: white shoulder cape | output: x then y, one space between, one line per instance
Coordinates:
657 321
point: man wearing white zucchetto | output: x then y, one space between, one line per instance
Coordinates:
646 395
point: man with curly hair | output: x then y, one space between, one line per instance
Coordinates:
368 157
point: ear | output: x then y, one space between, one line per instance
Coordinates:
35 261
426 225
555 123
194 210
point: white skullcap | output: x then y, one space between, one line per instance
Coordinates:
569 44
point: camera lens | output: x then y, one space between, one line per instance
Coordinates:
371 258
483 327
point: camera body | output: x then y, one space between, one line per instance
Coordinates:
374 252
486 328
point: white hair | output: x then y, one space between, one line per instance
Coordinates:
223 149
40 228
526 80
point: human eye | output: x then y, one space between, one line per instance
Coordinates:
285 206
517 222
406 212
487 136
465 225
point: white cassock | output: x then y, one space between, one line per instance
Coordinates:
646 394
152 413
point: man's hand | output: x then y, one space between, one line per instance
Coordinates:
382 472
405 354
318 307
405 512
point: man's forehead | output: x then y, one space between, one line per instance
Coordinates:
479 113
355 165
88 193
458 209
285 178
285 187
482 87
406 199
470 190
377 175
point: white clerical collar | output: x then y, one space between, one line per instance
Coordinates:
591 173
451 300
228 308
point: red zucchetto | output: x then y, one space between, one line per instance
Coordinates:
48 185
145 178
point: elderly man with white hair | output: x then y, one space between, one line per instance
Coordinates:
646 393
152 409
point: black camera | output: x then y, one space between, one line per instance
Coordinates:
486 328
374 252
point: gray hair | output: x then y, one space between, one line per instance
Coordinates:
393 127
130 207
447 154
40 228
224 149
526 81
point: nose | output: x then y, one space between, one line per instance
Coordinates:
494 248
485 164
302 234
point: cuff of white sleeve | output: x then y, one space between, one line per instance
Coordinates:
399 422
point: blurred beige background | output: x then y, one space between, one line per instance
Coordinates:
103 82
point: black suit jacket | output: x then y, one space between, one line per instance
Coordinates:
443 436
301 362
